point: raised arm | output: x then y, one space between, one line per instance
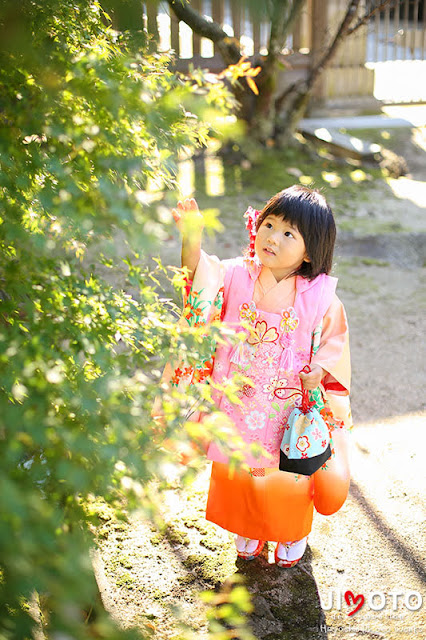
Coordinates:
190 223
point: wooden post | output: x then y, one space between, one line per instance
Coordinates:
218 13
174 33
387 32
255 22
396 31
236 18
303 28
196 40
305 18
376 37
151 18
406 27
297 35
319 21
415 27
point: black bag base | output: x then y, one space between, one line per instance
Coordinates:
305 466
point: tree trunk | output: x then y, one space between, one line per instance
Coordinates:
283 15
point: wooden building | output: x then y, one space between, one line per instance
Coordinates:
385 59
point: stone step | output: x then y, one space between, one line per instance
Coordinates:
340 144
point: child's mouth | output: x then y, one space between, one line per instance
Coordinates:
269 251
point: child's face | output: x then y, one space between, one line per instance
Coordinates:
280 247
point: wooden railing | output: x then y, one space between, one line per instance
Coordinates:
238 22
392 34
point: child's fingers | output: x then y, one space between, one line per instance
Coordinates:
190 204
305 382
311 380
188 217
308 376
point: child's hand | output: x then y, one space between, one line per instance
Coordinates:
312 379
188 219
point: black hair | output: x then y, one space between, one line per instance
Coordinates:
306 210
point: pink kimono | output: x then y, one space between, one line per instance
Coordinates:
289 324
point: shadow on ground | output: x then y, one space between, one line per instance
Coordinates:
286 601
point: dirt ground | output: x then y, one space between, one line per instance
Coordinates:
375 545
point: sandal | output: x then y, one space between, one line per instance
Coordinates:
287 562
252 553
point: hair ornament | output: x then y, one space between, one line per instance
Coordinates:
251 216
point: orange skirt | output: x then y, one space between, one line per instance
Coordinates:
278 506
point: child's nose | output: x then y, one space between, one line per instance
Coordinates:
274 237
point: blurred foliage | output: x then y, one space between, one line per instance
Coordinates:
88 120
228 610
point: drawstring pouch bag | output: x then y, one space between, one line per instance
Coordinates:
305 446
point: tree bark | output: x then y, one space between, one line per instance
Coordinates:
206 29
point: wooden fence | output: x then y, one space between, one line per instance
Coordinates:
399 33
396 34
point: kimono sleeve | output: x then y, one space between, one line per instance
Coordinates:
334 357
203 299
203 296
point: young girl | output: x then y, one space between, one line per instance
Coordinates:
297 336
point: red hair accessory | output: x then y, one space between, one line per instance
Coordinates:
251 215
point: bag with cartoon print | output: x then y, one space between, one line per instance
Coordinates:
305 446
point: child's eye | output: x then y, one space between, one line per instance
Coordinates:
289 234
268 225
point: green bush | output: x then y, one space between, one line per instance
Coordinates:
87 124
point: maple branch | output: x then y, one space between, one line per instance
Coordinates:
364 19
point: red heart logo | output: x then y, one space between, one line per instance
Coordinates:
351 599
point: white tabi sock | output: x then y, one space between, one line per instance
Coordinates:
245 544
297 550
252 546
240 543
